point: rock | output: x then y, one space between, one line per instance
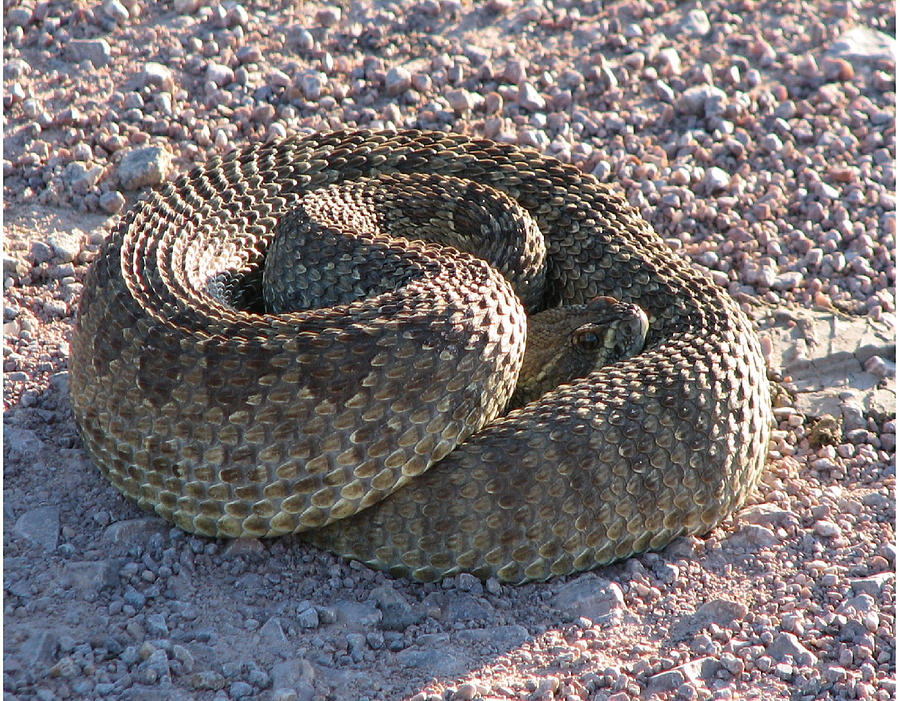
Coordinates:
695 23
397 613
244 547
94 50
356 615
136 531
157 75
714 180
308 618
90 576
18 16
328 16
873 585
39 649
207 679
788 281
240 690
397 81
722 612
144 166
753 536
863 44
312 84
530 99
434 661
696 98
220 74
460 100
80 178
589 596
40 527
272 634
155 624
689 672
669 62
786 645
767 515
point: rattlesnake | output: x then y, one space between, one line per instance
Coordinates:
231 421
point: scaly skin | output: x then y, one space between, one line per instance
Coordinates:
229 422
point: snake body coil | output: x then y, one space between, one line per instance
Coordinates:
232 422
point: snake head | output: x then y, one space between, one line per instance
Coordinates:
568 343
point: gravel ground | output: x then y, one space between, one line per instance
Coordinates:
757 136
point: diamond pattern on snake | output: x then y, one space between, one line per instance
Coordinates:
428 352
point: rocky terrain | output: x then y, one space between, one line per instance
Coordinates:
759 139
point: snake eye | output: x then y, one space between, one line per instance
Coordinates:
587 340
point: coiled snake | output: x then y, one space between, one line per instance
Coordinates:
230 421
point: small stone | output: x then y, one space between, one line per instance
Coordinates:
465 692
695 23
155 624
864 44
308 618
94 50
460 100
695 99
530 99
157 75
397 613
669 62
220 74
872 585
787 646
589 596
240 690
714 180
116 11
397 81
208 679
18 16
328 16
40 527
144 166
788 281
312 85
826 528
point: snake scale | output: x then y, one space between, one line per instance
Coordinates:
375 428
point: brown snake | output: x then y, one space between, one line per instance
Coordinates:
233 422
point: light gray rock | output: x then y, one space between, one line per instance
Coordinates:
40 527
397 612
695 23
695 99
530 99
220 74
157 75
786 646
144 166
589 596
397 81
94 50
863 44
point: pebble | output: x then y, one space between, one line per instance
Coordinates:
96 51
144 167
590 597
40 527
530 99
696 23
157 75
